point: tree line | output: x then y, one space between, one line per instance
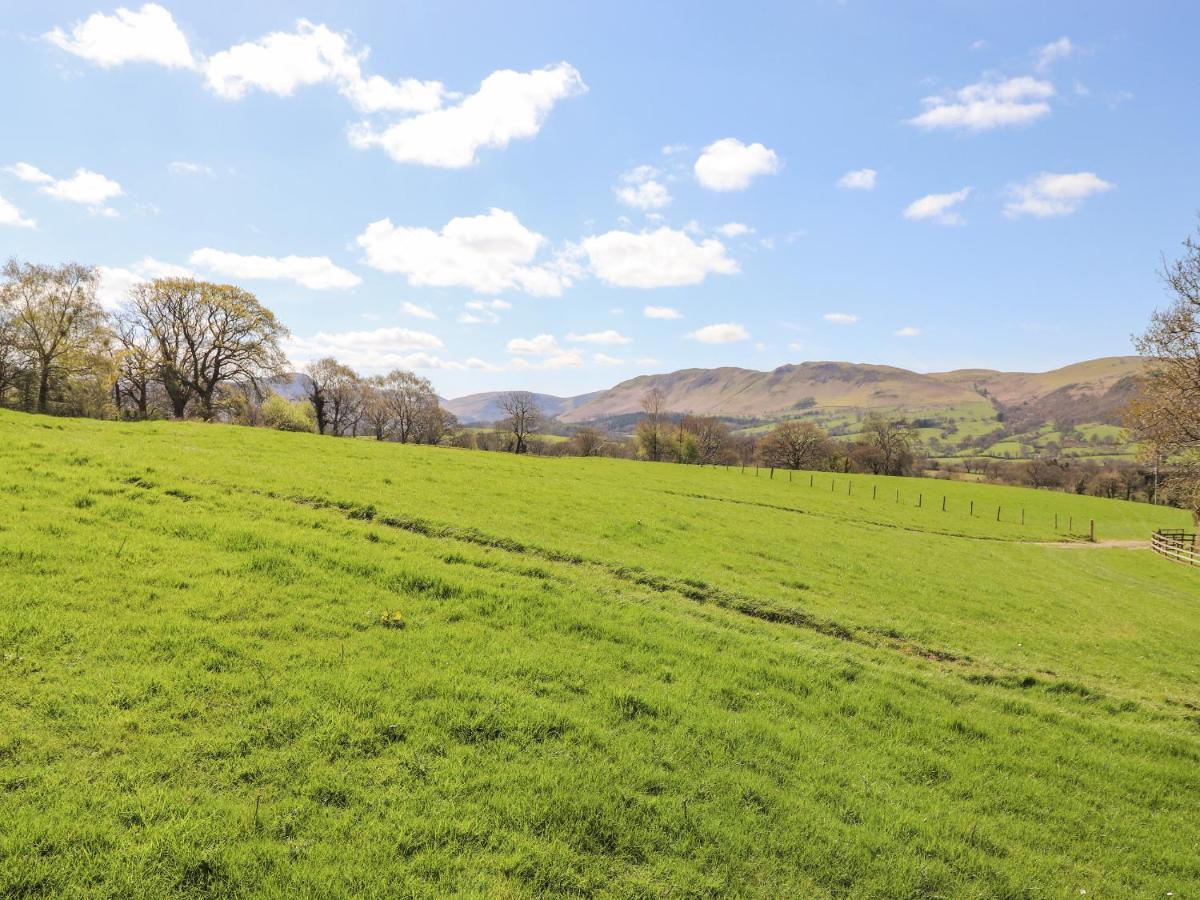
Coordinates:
186 348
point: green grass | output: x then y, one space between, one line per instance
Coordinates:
240 662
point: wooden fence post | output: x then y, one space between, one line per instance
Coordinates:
772 473
849 488
874 488
810 479
920 499
1056 521
997 514
972 507
1070 524
790 474
1092 531
897 495
943 504
1022 515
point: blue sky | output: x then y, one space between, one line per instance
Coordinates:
495 194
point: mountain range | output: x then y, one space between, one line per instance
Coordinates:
1092 391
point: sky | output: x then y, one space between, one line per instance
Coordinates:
557 197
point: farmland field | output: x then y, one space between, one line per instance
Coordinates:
241 662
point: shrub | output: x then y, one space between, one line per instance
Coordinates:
286 415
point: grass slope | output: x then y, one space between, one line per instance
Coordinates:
237 662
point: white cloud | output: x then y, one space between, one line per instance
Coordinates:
938 208
858 180
987 104
182 167
908 331
661 312
85 187
487 253
652 259
314 272
1047 194
147 35
1051 53
641 189
115 281
836 318
609 338
282 61
479 312
603 359
372 351
735 229
672 149
420 312
980 44
730 165
720 333
541 345
508 106
549 354
27 172
10 215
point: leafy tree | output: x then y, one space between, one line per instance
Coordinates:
794 445
890 442
1165 418
55 321
288 415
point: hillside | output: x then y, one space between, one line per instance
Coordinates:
236 661
485 407
791 389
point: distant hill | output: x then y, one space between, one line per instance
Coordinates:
476 408
967 411
792 389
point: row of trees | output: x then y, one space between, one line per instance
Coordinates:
177 346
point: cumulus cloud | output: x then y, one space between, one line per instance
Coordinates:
147 35
837 318
317 273
908 331
735 229
508 106
488 253
858 180
282 61
653 259
641 189
730 165
986 105
661 312
115 281
547 353
938 208
1046 195
1049 54
481 312
373 351
720 333
609 337
420 312
85 187
10 215
541 345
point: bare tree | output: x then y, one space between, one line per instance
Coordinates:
892 440
521 417
56 321
587 441
650 428
208 336
711 436
320 375
794 445
377 409
343 401
137 365
14 364
412 400
1045 473
1165 418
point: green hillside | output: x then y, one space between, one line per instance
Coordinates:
241 662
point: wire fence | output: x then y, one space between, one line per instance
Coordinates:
1015 515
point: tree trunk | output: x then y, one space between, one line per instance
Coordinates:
43 399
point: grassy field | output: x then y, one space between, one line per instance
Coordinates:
244 663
